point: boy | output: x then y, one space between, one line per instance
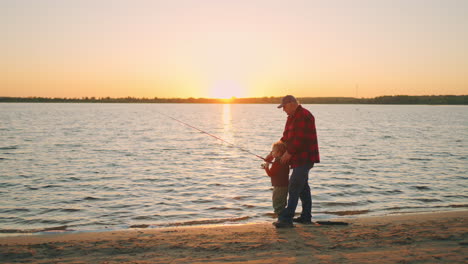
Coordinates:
279 174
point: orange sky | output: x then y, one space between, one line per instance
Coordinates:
208 48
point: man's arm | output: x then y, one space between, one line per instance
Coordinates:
286 157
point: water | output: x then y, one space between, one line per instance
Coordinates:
113 166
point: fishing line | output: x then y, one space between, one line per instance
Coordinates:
211 135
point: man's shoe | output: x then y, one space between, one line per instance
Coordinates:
279 224
302 221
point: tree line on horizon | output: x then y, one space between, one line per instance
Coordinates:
397 99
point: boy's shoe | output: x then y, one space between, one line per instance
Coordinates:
279 224
302 221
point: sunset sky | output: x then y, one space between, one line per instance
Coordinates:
225 48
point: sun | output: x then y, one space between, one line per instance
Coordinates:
226 90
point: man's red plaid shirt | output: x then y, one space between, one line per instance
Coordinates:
300 137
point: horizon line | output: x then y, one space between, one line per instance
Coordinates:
214 98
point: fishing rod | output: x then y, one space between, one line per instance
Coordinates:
216 137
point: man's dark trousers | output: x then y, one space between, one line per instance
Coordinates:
298 189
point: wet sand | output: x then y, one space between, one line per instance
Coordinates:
413 238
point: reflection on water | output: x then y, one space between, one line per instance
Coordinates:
95 166
227 115
227 123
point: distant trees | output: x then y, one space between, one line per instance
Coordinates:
430 100
399 99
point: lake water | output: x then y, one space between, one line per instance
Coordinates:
113 166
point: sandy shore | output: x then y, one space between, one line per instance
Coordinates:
416 238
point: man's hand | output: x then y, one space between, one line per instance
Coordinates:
285 158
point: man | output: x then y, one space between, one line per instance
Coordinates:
302 153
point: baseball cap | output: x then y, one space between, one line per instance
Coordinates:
287 99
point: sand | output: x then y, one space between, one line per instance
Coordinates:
414 238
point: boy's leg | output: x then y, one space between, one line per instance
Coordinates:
280 195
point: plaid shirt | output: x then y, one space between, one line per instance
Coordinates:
300 137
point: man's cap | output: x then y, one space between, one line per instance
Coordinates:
287 99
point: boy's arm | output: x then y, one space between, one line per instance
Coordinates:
267 169
269 157
273 170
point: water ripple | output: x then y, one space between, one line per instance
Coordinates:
67 166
